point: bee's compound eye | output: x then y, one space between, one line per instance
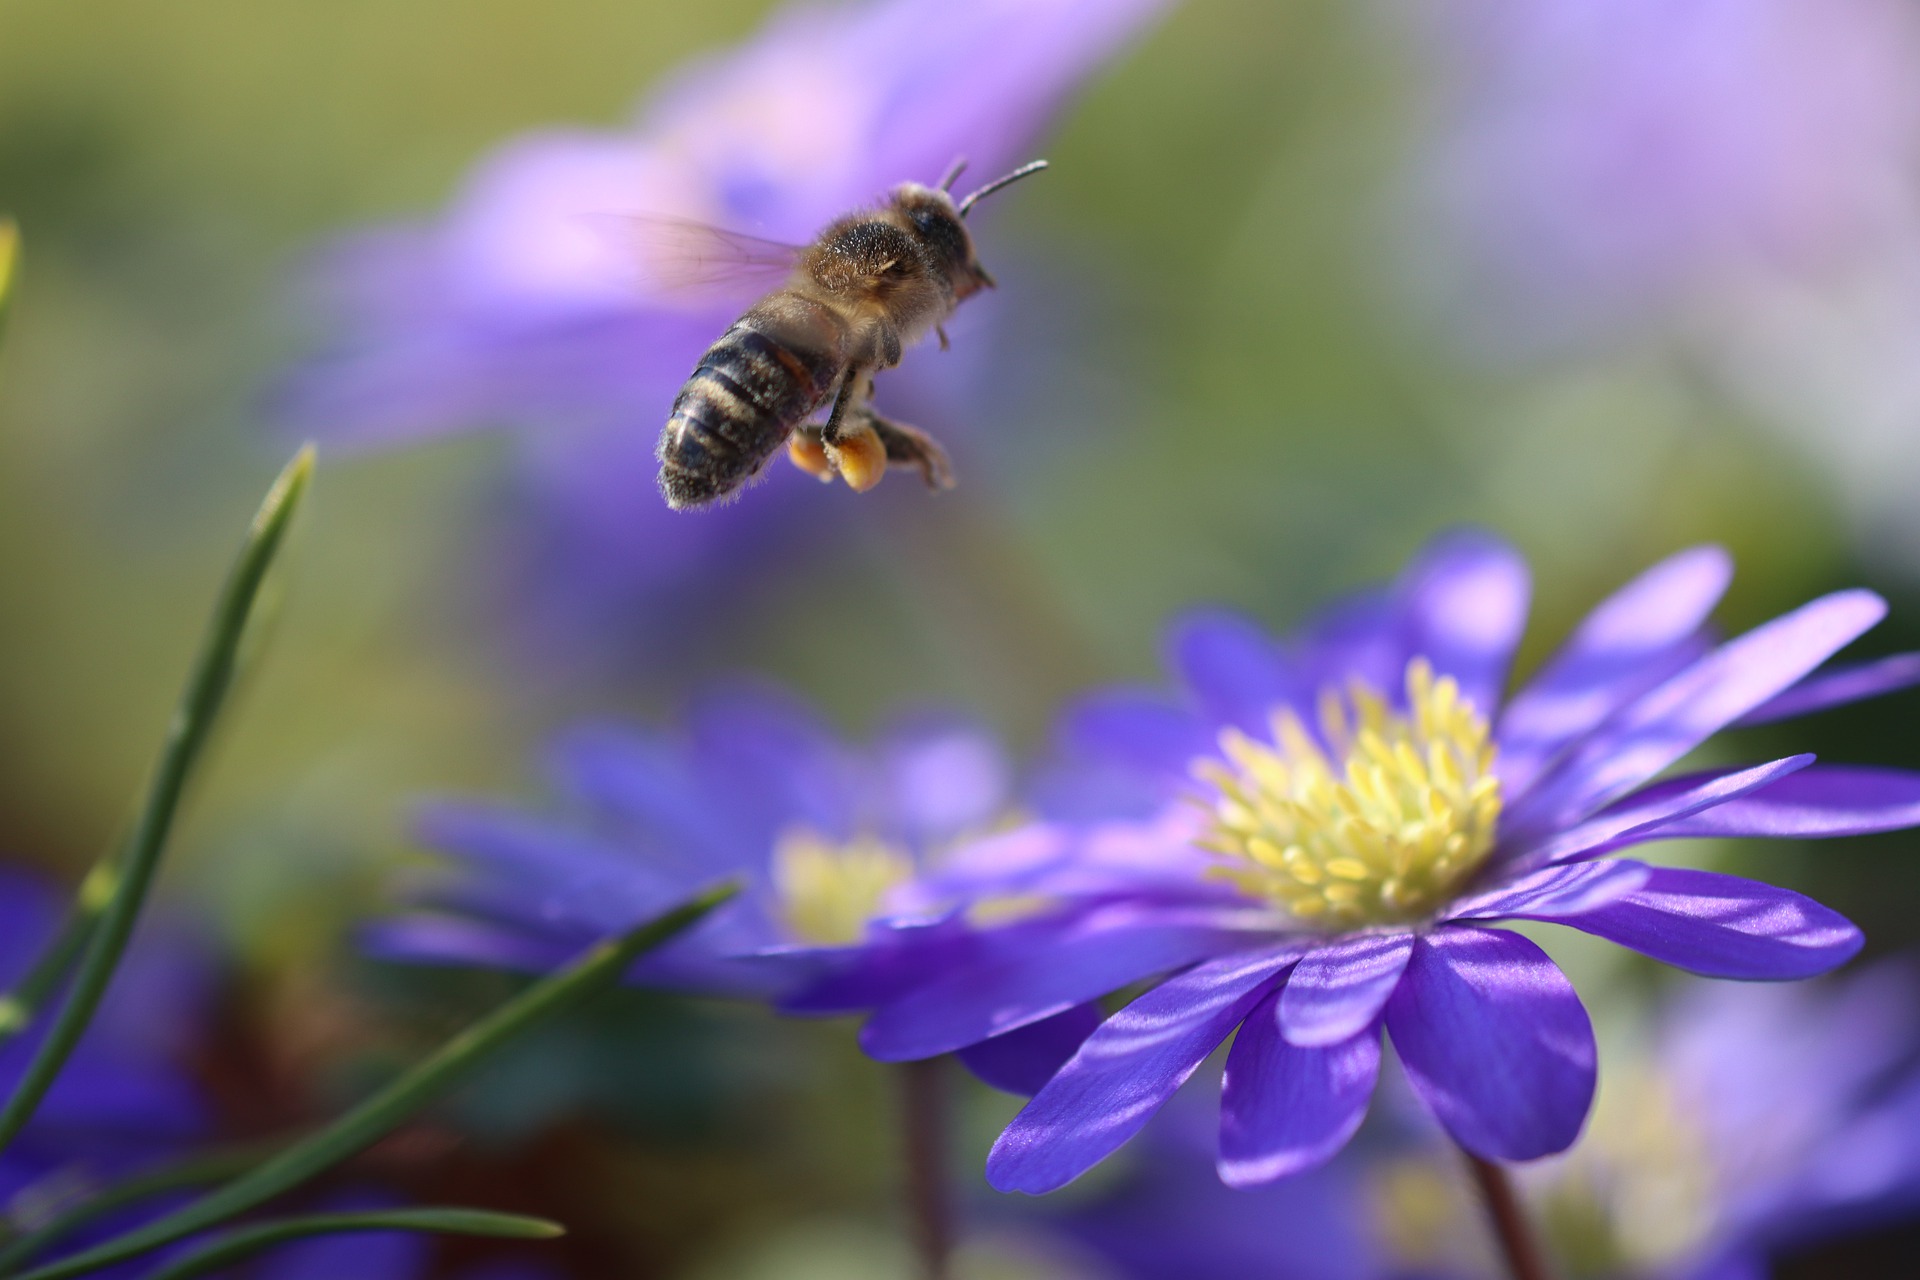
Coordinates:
941 232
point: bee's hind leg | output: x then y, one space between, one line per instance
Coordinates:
911 447
849 440
807 452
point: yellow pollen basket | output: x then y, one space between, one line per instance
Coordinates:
828 892
1385 833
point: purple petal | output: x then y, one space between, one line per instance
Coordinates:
1839 685
1285 1109
1023 1061
1026 972
1466 603
777 763
1823 800
1637 637
892 959
1721 926
1671 720
644 782
452 940
1495 1042
1359 637
377 1255
548 872
1647 812
1233 668
1136 730
1013 861
1572 888
29 910
986 89
944 774
1337 990
1742 1261
1126 1070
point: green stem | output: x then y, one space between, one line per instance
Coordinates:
1518 1245
124 883
600 967
923 1116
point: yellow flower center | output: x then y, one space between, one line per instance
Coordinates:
829 892
1383 824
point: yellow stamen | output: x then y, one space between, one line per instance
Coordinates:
1379 820
828 892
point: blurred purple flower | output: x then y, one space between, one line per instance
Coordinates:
379 1255
1597 164
523 306
1806 1102
125 1098
1316 884
1756 1121
834 843
1761 1119
126 1102
1167 1216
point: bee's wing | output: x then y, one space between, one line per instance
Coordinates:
685 258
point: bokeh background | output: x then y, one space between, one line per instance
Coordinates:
1308 282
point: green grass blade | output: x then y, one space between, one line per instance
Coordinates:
9 265
124 882
228 1249
196 1171
378 1115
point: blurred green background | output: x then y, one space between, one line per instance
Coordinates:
1282 429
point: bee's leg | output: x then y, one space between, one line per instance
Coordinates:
849 439
941 331
890 348
849 390
805 451
911 447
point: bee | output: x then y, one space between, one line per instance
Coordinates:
869 286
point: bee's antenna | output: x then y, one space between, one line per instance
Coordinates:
958 167
1025 169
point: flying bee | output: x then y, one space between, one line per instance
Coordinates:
872 284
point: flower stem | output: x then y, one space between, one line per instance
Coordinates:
923 1099
1518 1244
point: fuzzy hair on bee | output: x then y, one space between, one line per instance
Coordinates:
871 285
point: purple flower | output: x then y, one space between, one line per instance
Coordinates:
844 853
830 838
1349 815
125 1099
1167 1217
378 1255
1601 163
522 305
1803 1105
1757 1120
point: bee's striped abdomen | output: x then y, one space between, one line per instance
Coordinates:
747 394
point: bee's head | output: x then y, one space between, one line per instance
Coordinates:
941 225
931 217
